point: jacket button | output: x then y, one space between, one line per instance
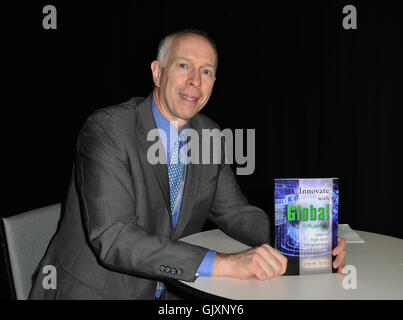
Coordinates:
167 269
179 271
162 268
173 270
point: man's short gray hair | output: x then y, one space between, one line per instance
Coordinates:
166 43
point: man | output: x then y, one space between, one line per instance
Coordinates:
118 237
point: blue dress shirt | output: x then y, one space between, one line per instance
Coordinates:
171 133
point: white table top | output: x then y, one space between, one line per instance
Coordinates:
379 265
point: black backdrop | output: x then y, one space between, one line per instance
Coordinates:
323 100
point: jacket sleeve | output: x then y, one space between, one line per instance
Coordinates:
107 202
232 213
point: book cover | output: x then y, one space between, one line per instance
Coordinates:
306 223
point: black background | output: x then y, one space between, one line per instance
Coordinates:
324 101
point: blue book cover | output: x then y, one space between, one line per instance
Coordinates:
306 223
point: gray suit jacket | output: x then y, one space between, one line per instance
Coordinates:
116 238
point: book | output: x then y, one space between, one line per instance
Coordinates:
306 223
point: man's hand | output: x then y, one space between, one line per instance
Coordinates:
260 263
340 254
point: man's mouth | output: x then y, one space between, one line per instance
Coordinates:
188 98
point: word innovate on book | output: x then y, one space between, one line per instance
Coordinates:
313 191
295 213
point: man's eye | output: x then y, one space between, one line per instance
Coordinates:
208 72
183 65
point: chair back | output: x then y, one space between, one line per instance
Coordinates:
25 238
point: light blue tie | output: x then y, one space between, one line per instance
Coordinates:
175 171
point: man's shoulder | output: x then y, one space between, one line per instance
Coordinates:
115 120
119 112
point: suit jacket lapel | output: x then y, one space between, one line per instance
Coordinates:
145 123
191 187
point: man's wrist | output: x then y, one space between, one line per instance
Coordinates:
221 265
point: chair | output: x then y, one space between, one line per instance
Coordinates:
25 238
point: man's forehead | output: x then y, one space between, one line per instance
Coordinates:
191 46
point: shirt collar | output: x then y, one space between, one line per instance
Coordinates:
169 129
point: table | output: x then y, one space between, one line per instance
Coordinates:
378 262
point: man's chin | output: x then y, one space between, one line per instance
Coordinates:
187 114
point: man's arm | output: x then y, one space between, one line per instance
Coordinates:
249 224
261 263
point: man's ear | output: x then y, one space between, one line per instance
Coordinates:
156 71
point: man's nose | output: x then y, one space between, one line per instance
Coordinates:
194 79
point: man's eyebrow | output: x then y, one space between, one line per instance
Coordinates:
183 58
210 65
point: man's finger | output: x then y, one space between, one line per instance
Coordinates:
341 245
339 260
340 269
260 268
282 260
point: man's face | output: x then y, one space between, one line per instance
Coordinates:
184 85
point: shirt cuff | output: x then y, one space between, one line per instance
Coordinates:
207 264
